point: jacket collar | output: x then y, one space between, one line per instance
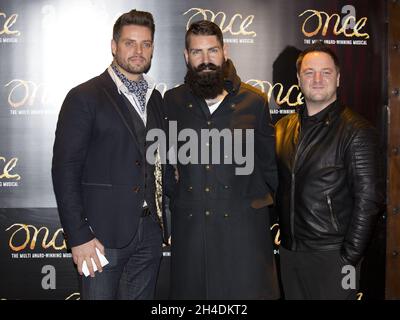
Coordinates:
116 101
326 115
232 80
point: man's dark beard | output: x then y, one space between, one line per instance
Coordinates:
207 85
126 67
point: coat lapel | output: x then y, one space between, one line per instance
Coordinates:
117 103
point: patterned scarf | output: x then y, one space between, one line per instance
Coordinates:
138 88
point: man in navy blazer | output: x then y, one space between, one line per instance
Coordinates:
105 189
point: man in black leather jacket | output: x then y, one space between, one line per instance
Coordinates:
330 185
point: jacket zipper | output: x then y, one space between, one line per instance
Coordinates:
333 217
293 247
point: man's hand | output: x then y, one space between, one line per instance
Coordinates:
176 172
85 252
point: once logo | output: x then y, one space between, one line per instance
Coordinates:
277 239
281 96
235 26
74 296
24 92
340 27
29 235
6 23
8 167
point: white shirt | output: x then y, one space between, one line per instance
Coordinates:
131 96
214 106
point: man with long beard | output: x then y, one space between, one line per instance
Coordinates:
221 243
105 189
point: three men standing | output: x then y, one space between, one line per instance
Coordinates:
108 195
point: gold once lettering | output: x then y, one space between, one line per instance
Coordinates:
8 167
10 21
27 237
36 231
211 16
277 239
336 29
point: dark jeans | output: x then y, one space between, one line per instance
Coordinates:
132 271
315 275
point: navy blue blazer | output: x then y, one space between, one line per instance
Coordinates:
97 168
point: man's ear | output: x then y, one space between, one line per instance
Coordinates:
225 50
338 80
186 54
113 47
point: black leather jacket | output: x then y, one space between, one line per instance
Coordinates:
330 183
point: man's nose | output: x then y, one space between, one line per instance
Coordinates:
138 48
317 76
206 58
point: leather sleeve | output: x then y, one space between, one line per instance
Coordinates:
365 176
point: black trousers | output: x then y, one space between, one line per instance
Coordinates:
317 275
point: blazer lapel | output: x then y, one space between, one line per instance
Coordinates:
117 102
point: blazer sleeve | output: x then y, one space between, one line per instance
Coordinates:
170 183
71 145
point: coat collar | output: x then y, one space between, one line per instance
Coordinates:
327 115
232 80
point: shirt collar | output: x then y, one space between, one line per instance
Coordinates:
320 116
122 88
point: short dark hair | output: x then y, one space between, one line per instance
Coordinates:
204 28
133 17
318 47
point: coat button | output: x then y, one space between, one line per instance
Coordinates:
137 162
190 215
233 105
208 167
207 213
207 189
136 189
190 105
226 187
190 188
209 123
226 215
